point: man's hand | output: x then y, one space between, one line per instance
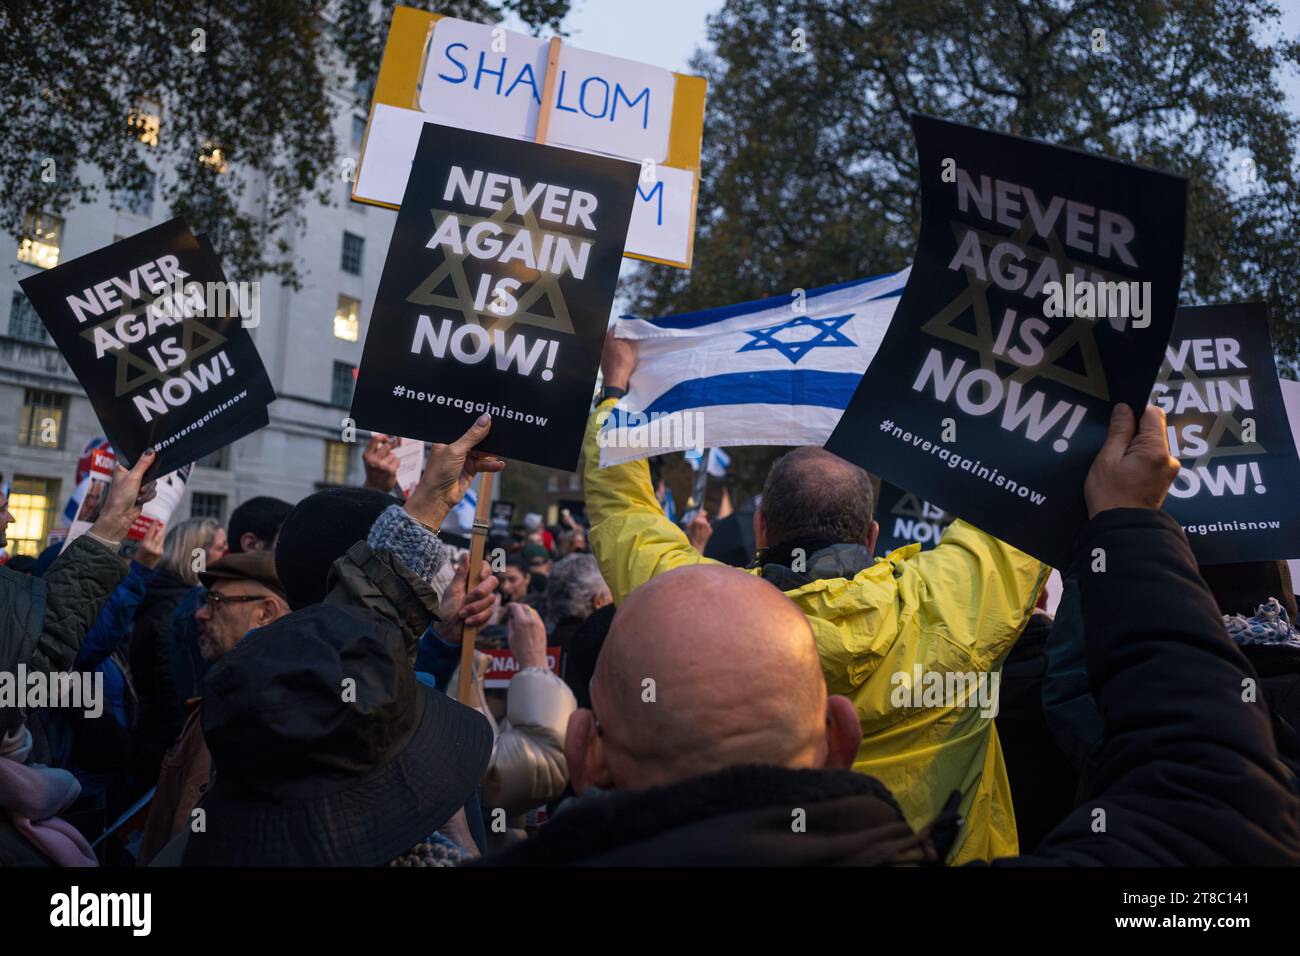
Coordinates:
151 548
381 463
456 610
448 474
618 360
124 499
698 530
527 636
1131 471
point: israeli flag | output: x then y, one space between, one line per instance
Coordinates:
719 461
461 519
777 371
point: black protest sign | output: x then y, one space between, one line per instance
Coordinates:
158 340
906 519
1043 292
496 294
1236 495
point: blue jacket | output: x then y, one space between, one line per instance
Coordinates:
107 633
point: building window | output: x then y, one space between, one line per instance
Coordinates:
41 424
24 323
352 246
41 239
31 502
345 378
204 505
574 483
218 459
552 483
214 157
358 131
347 319
338 462
139 201
146 120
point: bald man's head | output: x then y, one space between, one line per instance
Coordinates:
707 667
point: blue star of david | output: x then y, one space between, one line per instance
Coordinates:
828 336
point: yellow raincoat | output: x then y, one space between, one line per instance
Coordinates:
957 608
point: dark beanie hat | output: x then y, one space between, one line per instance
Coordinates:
319 531
1242 588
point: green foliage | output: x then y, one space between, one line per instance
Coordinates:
810 176
260 80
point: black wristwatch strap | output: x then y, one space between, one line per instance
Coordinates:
611 391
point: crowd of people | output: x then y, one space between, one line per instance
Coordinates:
284 689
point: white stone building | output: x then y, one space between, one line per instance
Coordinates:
310 341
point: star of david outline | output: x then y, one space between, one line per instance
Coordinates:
196 338
1221 423
830 336
453 267
1079 332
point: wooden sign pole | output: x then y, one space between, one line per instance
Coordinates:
478 543
483 510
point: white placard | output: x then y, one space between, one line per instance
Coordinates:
661 215
410 463
469 84
606 104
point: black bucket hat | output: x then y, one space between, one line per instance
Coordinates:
313 771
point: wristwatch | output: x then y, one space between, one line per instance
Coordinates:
611 391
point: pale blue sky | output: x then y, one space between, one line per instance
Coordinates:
660 32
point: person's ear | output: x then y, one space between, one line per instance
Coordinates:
584 752
760 529
267 612
601 599
249 542
873 535
843 732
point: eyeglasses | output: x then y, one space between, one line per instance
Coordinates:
215 601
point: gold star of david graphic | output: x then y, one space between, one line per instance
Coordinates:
453 267
1079 334
197 340
1223 421
909 506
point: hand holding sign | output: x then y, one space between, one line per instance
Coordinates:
1131 471
126 496
449 473
458 610
618 360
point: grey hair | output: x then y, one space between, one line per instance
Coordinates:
574 582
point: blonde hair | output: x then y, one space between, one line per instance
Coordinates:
179 545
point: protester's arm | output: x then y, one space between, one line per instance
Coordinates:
117 617
1188 772
528 766
991 589
391 571
81 579
630 535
